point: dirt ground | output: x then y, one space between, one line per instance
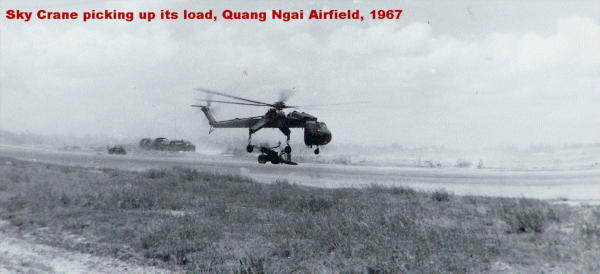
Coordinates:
18 255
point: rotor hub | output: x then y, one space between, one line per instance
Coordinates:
279 105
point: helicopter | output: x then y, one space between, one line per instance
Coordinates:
315 132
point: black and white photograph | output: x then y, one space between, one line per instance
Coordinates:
340 136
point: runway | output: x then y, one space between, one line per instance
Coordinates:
576 186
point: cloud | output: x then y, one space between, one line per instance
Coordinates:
386 36
136 78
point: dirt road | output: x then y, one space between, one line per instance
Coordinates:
19 255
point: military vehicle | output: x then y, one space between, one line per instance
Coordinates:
117 150
145 143
181 145
162 143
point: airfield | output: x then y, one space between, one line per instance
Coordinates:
569 185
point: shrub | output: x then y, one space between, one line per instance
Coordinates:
463 163
525 215
284 184
278 198
403 190
218 209
252 265
440 195
591 228
67 169
155 173
316 204
299 203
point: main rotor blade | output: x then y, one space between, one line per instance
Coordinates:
328 109
230 96
334 104
227 102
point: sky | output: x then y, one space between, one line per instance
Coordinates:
460 74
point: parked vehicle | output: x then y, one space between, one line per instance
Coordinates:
162 143
146 143
117 150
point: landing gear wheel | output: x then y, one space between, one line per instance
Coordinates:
250 148
317 151
262 159
288 150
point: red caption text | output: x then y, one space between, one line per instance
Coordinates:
203 15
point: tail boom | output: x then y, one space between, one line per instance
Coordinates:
211 119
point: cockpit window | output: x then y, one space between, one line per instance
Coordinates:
321 125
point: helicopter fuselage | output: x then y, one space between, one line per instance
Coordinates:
315 132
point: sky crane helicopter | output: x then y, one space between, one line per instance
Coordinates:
315 132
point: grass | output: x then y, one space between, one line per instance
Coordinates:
182 219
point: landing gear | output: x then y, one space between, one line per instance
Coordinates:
317 151
250 147
288 149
